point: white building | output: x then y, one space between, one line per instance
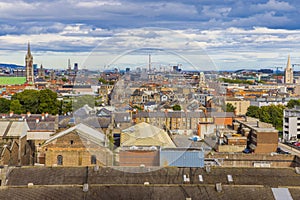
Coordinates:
291 124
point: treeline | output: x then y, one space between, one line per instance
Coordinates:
33 101
270 114
227 80
43 101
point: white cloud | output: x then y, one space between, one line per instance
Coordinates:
275 5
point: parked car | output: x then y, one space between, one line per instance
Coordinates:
280 151
195 138
247 150
297 144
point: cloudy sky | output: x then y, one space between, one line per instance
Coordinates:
224 34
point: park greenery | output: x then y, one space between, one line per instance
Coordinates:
227 80
45 101
270 114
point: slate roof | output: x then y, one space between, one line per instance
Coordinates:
84 131
136 192
268 177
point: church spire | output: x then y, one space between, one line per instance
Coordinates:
28 49
288 64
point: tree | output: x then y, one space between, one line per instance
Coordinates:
37 102
176 107
230 107
293 102
4 105
253 111
16 106
270 114
48 102
29 99
64 79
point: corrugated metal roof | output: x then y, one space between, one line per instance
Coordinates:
179 158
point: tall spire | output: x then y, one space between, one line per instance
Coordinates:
28 49
288 72
288 64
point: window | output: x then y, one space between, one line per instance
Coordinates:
59 160
93 159
71 142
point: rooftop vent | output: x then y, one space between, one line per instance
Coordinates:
207 168
200 178
186 178
96 168
219 187
30 185
229 178
85 187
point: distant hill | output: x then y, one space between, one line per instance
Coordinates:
12 66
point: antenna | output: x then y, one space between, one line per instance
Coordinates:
69 64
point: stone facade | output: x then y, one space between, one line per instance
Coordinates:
73 150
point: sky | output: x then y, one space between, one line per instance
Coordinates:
195 34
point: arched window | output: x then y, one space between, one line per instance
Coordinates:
93 159
59 160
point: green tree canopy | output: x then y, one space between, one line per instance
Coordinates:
48 102
35 101
16 106
293 102
230 107
4 105
270 114
29 99
176 107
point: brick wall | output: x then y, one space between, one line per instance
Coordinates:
136 158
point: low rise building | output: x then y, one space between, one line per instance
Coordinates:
240 105
262 137
79 145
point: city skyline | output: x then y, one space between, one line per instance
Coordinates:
231 34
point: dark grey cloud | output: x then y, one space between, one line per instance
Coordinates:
165 14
